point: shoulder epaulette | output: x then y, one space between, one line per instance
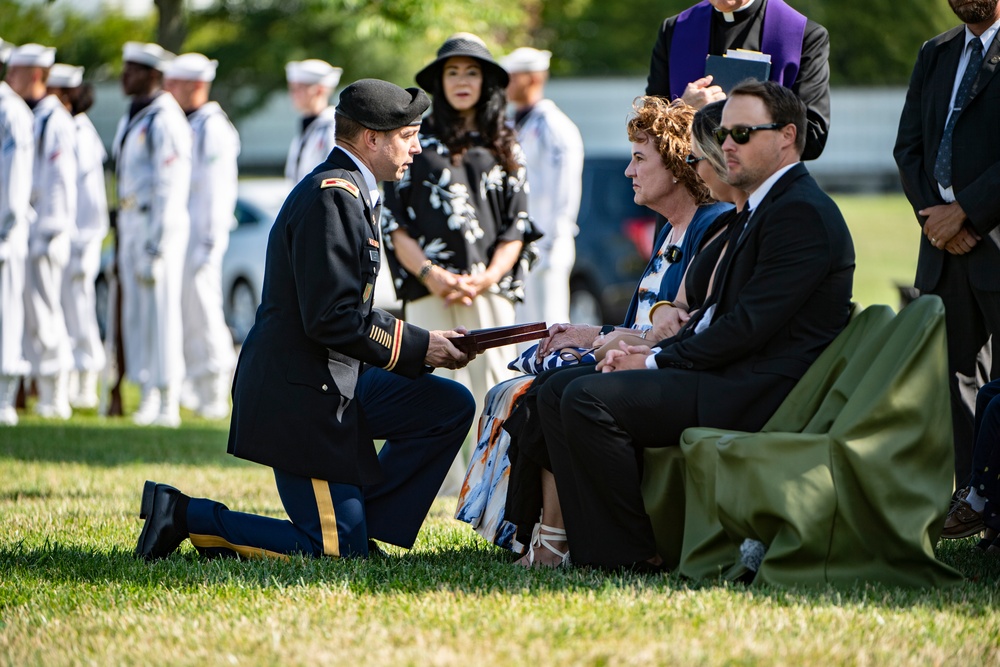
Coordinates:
341 183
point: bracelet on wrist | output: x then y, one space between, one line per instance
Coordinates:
657 305
425 270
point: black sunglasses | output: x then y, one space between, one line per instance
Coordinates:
741 133
692 160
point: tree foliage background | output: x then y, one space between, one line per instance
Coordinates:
873 42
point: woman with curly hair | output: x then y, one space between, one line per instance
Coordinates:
456 226
502 496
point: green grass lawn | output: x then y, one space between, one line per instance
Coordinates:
71 593
886 237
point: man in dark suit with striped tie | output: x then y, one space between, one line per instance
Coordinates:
948 153
323 372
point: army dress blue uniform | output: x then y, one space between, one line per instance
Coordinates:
322 373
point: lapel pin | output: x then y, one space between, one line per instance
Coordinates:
994 60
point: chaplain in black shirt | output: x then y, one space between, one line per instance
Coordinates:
799 50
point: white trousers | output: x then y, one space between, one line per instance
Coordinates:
46 342
151 321
80 307
208 343
546 288
12 268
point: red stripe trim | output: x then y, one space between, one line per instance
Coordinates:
397 344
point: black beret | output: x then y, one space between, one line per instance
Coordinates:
382 106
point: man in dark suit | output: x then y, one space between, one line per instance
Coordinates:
782 294
799 50
322 372
948 153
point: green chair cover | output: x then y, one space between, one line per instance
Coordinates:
706 550
663 489
849 480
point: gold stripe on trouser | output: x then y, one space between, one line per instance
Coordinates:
327 518
214 541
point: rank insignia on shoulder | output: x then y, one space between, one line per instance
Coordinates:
341 183
373 243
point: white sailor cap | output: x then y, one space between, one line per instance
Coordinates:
150 55
32 55
191 67
5 49
313 71
526 59
65 76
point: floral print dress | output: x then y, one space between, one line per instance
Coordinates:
458 214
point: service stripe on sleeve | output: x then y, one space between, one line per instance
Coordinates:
380 336
397 345
327 518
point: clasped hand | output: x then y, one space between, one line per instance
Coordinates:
455 288
946 227
625 358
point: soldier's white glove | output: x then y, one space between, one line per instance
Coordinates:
55 247
147 268
199 255
59 249
74 270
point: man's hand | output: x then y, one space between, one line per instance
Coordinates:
700 92
943 222
667 321
568 335
964 241
626 358
441 353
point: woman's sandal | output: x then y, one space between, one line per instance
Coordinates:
543 536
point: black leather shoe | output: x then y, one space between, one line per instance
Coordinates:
375 551
166 523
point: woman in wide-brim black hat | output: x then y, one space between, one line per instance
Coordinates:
457 226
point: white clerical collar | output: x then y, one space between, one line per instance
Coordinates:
367 174
728 16
986 37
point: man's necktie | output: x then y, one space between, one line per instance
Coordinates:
942 167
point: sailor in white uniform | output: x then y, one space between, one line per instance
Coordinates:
152 149
78 295
17 151
53 197
553 149
310 84
208 343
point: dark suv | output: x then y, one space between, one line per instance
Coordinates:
613 246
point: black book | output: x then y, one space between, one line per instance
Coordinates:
728 71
